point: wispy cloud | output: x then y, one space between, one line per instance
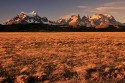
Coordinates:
111 7
103 8
114 4
84 7
69 15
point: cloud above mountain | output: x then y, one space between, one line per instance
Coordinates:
84 7
115 4
68 16
111 7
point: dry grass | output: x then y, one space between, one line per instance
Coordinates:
62 57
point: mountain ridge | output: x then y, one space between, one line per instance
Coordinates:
89 21
24 18
95 20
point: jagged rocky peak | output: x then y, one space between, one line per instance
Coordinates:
102 17
61 21
89 21
85 19
33 13
98 19
22 15
76 21
73 20
25 18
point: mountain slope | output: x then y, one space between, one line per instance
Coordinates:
74 20
89 21
96 20
24 18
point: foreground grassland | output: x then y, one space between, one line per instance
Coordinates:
62 57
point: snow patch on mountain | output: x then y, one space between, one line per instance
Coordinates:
96 20
25 18
89 21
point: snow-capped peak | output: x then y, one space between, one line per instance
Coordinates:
25 18
22 12
89 21
99 16
108 15
73 20
33 13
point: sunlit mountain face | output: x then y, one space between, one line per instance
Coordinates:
25 18
89 21
94 20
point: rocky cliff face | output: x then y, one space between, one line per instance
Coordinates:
74 21
24 18
96 20
89 21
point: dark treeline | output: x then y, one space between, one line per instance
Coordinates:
55 28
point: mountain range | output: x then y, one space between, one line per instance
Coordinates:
24 18
96 20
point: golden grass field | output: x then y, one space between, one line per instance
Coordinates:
62 57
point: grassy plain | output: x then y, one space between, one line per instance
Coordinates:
62 57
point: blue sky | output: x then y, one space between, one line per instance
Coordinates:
54 9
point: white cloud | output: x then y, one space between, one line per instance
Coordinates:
103 8
69 15
111 7
114 7
114 4
84 7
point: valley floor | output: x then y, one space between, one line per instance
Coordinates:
92 57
